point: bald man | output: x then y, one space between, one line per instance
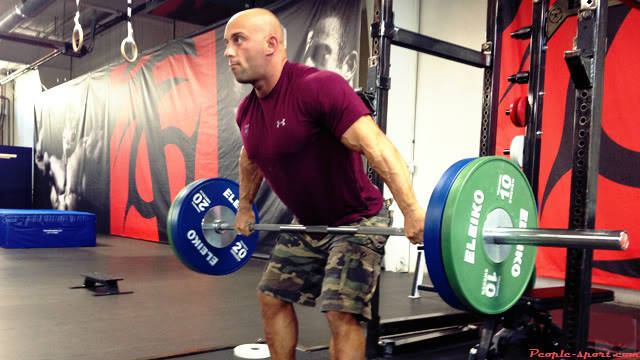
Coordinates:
304 131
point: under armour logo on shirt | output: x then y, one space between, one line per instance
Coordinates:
281 123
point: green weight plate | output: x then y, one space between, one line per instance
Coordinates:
532 281
489 192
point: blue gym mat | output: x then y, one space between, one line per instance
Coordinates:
46 228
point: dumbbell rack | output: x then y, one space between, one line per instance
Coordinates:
586 58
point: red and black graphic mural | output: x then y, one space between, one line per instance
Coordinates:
619 180
122 141
164 133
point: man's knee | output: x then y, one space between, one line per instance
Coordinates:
339 319
266 299
271 304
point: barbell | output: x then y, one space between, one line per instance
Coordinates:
480 233
600 239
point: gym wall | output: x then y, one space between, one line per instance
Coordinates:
123 140
27 90
618 201
435 105
7 126
401 122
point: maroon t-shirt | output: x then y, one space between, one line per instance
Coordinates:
293 136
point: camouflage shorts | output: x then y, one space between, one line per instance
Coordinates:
342 269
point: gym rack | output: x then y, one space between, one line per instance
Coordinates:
586 66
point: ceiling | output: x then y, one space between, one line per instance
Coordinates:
23 40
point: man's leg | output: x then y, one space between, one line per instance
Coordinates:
280 327
347 337
351 275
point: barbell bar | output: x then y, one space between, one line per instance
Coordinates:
579 238
584 238
480 228
219 227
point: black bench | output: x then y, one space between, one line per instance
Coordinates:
528 323
101 284
552 298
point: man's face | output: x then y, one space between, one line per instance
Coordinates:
244 50
323 46
69 139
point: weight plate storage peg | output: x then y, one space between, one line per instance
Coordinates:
208 251
489 192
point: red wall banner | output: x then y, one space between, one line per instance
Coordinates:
618 199
178 88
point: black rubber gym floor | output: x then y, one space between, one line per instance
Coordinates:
457 352
174 311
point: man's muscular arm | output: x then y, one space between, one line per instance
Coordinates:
250 180
365 137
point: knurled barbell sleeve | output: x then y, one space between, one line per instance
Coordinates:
586 239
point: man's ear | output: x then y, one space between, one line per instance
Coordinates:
349 65
272 45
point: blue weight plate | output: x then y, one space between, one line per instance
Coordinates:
172 227
184 226
432 230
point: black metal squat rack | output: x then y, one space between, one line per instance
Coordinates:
586 65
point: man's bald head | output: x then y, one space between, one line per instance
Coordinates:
259 21
255 48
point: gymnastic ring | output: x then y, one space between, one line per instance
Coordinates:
134 47
77 37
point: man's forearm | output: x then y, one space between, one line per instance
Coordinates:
250 179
